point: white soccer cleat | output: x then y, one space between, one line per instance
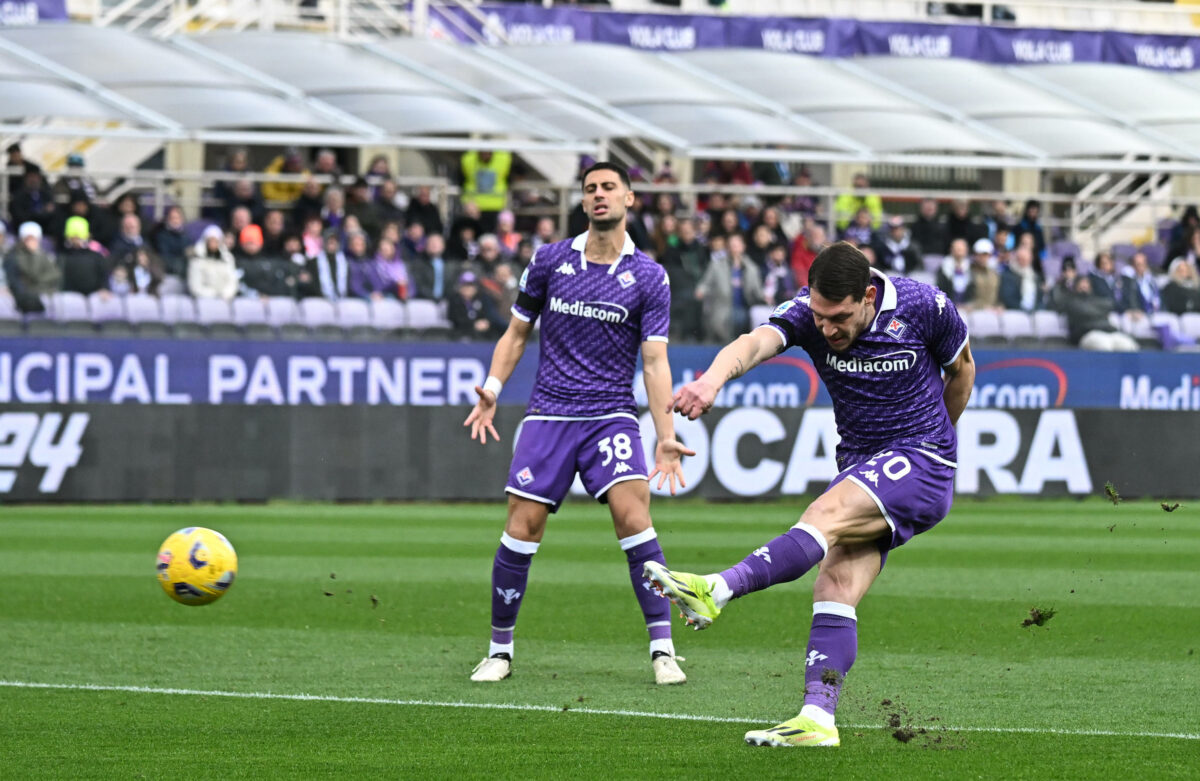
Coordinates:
666 669
493 668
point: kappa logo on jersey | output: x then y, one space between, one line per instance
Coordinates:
626 278
621 468
605 311
899 361
782 309
940 300
666 278
815 656
895 328
525 476
764 553
508 594
566 268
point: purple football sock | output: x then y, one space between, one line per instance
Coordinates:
832 646
510 571
640 548
784 558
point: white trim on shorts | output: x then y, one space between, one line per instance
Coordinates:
596 417
878 503
937 458
508 489
622 479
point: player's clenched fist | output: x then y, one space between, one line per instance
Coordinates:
694 399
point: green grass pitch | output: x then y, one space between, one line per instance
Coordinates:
375 609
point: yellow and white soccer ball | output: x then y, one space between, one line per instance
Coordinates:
196 566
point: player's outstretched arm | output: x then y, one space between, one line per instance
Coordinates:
505 358
960 380
656 373
735 359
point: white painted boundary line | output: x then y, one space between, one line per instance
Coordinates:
553 709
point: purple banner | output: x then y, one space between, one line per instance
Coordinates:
531 24
19 13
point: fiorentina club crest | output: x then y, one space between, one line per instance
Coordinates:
626 278
525 476
895 329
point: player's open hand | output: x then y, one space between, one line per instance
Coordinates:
694 399
480 419
667 463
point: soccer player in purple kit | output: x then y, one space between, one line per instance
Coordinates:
600 300
881 346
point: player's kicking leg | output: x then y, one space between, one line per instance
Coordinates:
629 502
844 578
510 572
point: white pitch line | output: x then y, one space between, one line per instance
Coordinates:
556 709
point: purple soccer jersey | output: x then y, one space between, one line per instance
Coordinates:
594 319
887 387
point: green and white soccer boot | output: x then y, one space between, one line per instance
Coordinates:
692 594
800 731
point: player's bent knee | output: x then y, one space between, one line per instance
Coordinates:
526 519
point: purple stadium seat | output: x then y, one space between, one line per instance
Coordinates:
425 314
1061 249
1015 324
178 309
280 311
1190 322
68 306
1137 327
353 313
1049 325
193 230
1164 229
249 311
1156 255
317 312
932 262
759 314
210 311
387 314
924 276
984 324
8 308
142 309
1122 253
105 307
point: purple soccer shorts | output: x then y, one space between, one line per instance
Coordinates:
548 453
912 488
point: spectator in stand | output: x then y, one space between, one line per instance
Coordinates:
237 165
471 314
685 263
365 281
762 239
379 168
331 268
1003 245
771 218
728 172
333 212
138 272
861 230
545 233
171 245
129 238
507 234
1181 294
391 268
1030 223
664 205
212 270
894 250
432 274
524 254
390 204
29 272
961 225
805 249
486 261
307 283
750 214
985 280
1021 286
310 203
1087 320
730 223
243 194
423 210
730 286
848 205
485 184
665 236
1105 282
239 220
34 202
805 205
78 206
998 219
326 164
263 274
16 159
311 236
505 294
1189 249
75 181
359 204
84 269
954 274
1028 241
1183 235
1063 286
779 283
412 244
929 230
274 229
1144 296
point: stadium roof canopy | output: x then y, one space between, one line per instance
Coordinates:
280 87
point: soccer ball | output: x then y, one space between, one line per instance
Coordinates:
196 566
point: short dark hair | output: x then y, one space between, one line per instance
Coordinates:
606 165
840 270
